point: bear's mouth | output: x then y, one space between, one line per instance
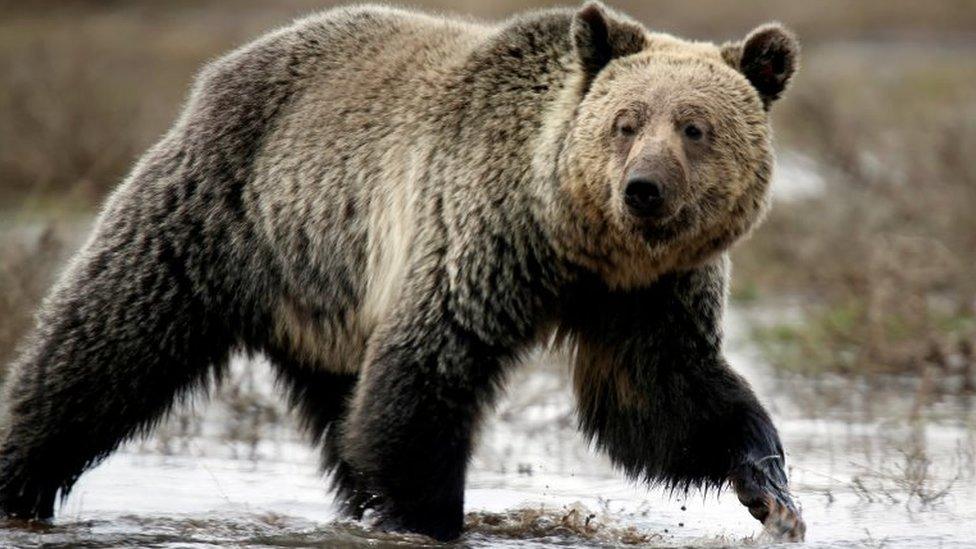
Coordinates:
658 231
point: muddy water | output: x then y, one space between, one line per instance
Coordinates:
235 472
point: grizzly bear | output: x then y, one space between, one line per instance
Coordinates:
393 207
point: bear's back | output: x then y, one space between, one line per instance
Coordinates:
357 52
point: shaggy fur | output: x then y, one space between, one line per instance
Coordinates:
392 207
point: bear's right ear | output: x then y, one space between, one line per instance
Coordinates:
767 57
601 35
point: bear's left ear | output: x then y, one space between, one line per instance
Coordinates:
767 57
601 35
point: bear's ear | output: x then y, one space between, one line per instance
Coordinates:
601 35
767 57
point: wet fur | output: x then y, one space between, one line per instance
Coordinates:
392 233
653 388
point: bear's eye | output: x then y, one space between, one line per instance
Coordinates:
625 125
693 132
626 128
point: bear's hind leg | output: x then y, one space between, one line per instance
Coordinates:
121 337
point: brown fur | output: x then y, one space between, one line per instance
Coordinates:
393 207
726 188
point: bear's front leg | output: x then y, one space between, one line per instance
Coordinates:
657 395
408 436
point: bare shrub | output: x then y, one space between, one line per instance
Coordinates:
908 480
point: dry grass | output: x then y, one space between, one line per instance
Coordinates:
77 149
572 521
26 270
885 256
910 479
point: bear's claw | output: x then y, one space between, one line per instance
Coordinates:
770 503
783 522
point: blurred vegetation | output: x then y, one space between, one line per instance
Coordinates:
26 272
881 256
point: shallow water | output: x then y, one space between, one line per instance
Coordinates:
863 479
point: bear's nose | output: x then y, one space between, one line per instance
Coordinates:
643 196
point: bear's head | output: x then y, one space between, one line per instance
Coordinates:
667 158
